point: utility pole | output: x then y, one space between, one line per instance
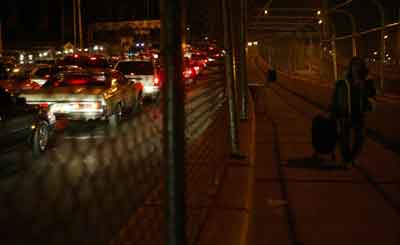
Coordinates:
80 25
62 22
74 17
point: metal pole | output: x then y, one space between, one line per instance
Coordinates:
174 121
74 17
62 22
334 57
243 63
80 25
382 44
354 45
229 79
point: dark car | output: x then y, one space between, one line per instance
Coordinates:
23 125
83 61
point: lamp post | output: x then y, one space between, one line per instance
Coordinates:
80 24
74 21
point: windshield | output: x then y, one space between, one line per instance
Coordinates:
77 80
136 67
97 63
42 72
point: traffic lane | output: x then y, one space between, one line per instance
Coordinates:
80 176
86 134
81 135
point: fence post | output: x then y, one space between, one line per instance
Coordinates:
243 63
174 122
229 78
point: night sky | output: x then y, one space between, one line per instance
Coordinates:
27 22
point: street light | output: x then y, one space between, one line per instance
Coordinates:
250 44
386 37
320 22
266 11
319 12
255 43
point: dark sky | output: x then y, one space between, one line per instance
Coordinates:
38 22
27 22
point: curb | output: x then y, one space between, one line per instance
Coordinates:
229 217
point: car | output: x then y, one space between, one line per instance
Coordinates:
189 71
85 61
88 95
22 124
144 71
29 77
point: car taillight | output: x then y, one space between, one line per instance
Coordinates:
44 105
188 73
156 81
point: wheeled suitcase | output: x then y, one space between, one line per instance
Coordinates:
324 134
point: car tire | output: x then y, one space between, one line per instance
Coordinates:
40 139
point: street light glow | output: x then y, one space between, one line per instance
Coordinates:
319 12
320 22
250 44
266 11
386 37
255 43
376 53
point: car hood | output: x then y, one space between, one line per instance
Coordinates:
64 94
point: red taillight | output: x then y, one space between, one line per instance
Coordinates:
78 81
156 81
44 105
93 58
76 56
188 73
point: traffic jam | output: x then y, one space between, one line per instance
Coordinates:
39 99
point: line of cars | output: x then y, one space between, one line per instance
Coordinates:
77 88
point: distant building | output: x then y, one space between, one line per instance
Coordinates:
124 36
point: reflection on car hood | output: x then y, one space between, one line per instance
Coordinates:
76 93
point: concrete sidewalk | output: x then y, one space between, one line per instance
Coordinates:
298 201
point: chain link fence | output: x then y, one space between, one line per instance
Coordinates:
99 187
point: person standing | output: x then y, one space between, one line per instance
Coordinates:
351 100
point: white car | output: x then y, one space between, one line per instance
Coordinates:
144 72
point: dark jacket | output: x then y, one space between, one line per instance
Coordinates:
345 92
